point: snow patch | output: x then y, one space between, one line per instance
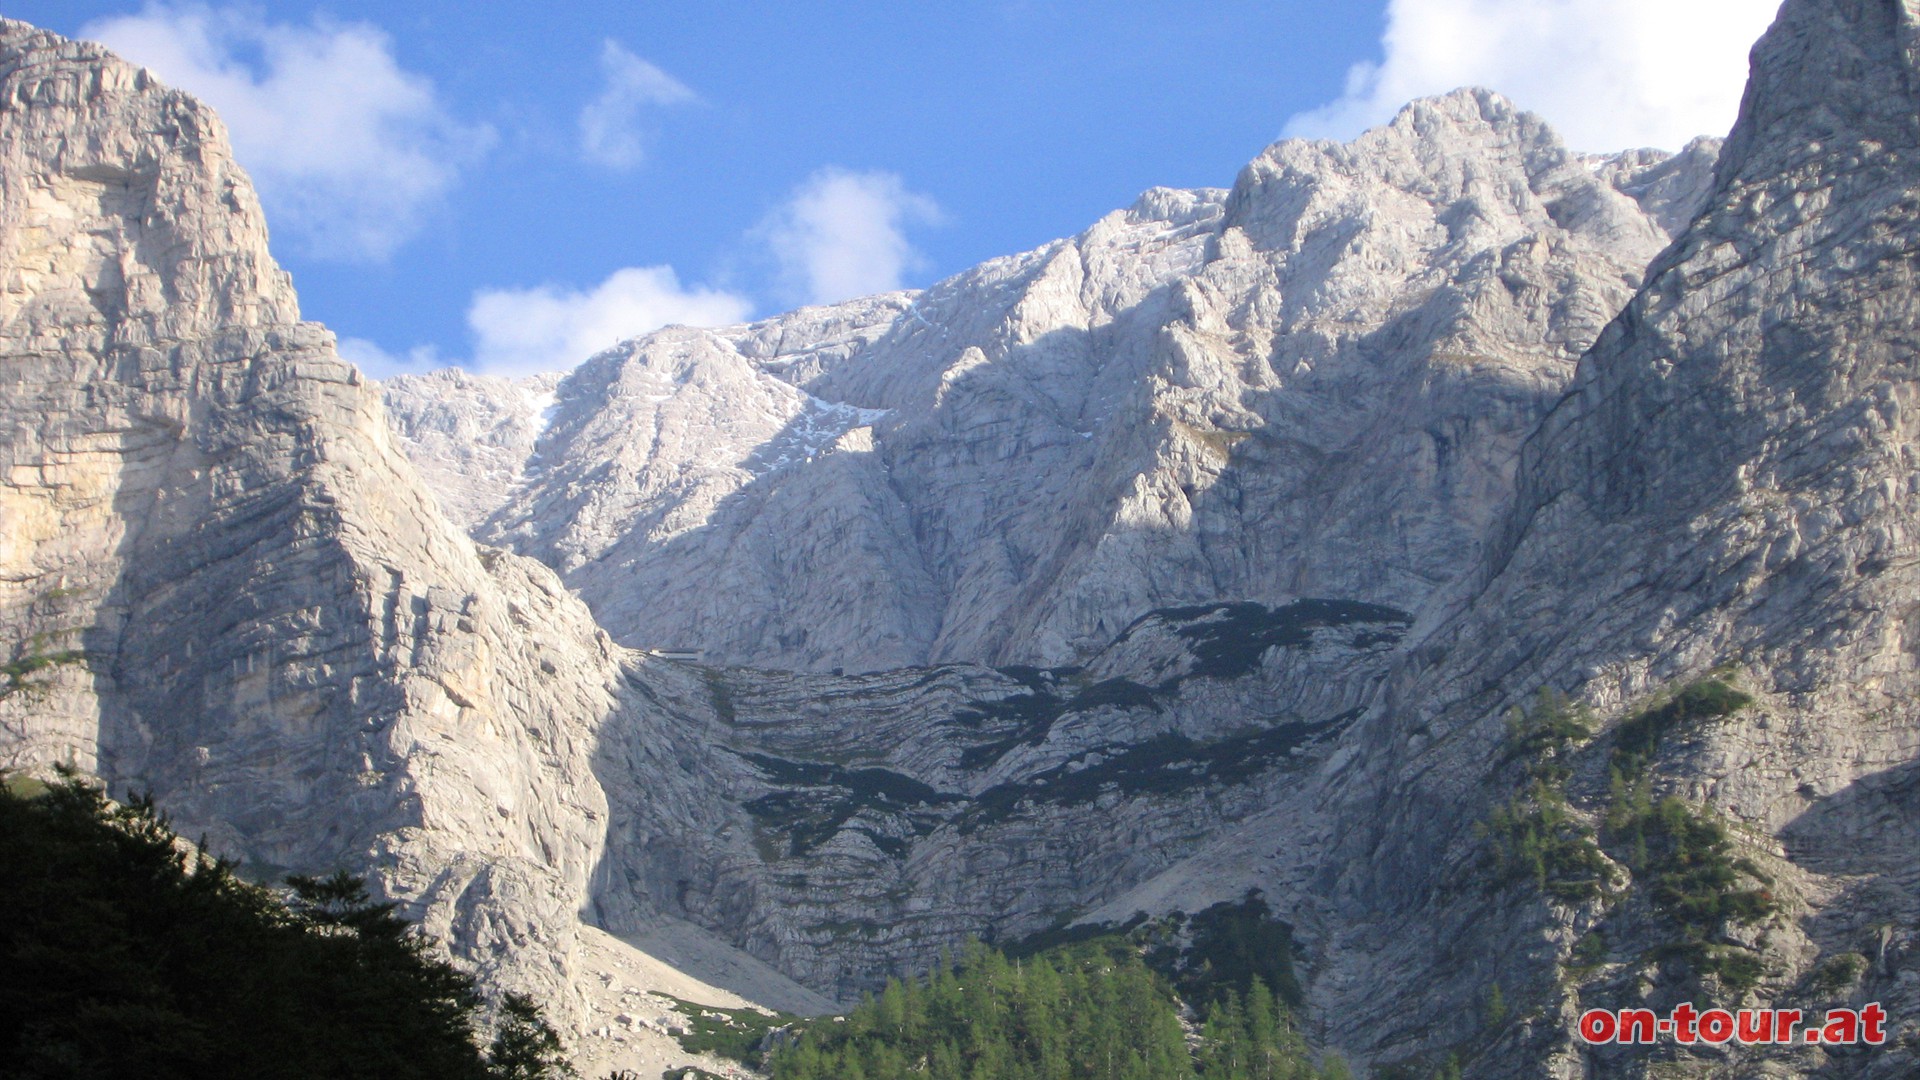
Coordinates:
816 427
543 407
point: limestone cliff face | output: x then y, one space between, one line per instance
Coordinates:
1312 384
1786 322
1286 492
221 581
845 828
470 436
1727 486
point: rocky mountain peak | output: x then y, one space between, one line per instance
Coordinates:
1830 80
1725 493
1464 172
1271 505
1780 322
221 583
95 147
1055 443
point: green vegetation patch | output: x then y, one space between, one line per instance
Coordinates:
1545 735
1535 835
1020 719
1683 857
15 672
1233 946
1114 693
26 787
1838 973
1092 1009
1219 951
1589 953
821 799
1227 642
1637 740
722 696
1026 719
737 1034
1066 933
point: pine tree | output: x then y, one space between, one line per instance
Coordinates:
1092 1011
128 953
525 1047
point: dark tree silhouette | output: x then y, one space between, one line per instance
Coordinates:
129 953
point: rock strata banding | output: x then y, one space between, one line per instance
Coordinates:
1212 548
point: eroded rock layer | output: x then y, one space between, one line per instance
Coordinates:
1272 504
1310 385
220 580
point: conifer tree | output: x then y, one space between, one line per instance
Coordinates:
129 953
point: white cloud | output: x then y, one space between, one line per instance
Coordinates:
349 150
843 234
525 331
1607 74
611 131
378 363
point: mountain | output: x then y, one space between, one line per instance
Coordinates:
470 436
1722 498
222 582
1495 555
1313 384
1726 490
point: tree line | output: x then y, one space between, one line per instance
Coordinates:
1086 1011
128 953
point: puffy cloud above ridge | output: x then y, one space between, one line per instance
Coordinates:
350 151
528 331
548 328
842 234
1607 74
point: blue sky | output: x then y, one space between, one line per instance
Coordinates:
512 186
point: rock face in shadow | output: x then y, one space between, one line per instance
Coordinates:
846 828
1726 491
1310 385
1277 491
